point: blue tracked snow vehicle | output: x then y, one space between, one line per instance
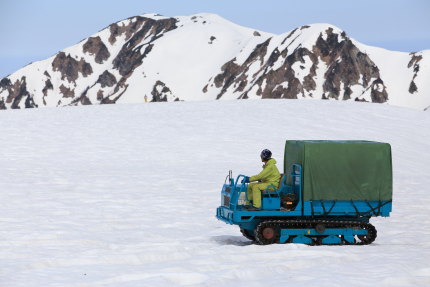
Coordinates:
327 195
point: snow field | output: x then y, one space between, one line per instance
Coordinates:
125 195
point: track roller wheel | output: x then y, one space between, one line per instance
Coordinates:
371 235
320 228
267 233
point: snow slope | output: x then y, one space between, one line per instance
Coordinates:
186 57
398 80
125 195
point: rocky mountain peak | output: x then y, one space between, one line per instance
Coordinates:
316 61
205 57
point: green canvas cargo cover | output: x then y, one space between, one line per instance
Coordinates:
342 170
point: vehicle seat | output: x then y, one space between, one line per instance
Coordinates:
271 189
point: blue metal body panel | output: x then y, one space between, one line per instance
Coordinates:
332 235
347 208
233 209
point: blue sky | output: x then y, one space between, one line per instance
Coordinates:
33 30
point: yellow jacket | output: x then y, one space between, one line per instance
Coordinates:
270 174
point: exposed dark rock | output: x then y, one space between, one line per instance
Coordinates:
413 88
414 63
289 36
259 52
29 103
95 46
48 86
83 99
229 72
106 79
242 86
328 49
70 68
360 100
67 93
376 94
346 66
47 74
233 74
107 101
347 93
275 78
113 98
308 82
160 92
271 82
256 33
128 60
117 30
120 88
99 95
2 104
211 39
120 85
415 59
131 54
5 83
205 88
18 92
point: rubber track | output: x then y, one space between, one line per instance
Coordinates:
286 224
247 234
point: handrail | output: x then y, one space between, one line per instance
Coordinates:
293 175
234 198
237 179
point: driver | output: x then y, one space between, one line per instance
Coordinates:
268 176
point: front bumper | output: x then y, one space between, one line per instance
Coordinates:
224 214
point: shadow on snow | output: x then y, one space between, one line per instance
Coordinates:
231 240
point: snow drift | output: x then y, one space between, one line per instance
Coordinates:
125 195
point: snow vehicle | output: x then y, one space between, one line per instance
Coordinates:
327 194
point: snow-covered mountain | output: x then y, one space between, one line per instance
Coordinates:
205 57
